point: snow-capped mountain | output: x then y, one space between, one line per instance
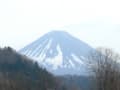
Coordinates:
59 52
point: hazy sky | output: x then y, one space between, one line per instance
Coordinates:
96 22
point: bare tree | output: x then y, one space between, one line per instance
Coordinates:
105 69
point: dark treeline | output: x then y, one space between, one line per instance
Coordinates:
17 72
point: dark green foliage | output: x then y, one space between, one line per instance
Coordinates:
17 72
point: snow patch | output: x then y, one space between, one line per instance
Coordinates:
72 64
77 59
57 60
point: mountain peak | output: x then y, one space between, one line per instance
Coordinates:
58 31
59 52
58 34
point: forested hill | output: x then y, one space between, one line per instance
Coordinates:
17 72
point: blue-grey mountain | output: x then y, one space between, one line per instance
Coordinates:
59 52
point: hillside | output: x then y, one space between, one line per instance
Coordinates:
17 72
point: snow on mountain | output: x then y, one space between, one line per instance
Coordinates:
59 52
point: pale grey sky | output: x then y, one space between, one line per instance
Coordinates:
96 22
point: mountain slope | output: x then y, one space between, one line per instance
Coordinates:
20 73
59 52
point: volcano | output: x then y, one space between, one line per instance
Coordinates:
60 53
